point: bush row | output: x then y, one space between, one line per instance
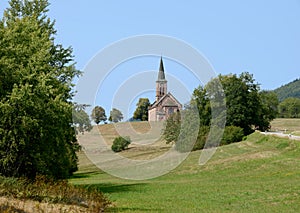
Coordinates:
230 135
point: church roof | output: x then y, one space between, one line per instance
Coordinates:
161 72
173 102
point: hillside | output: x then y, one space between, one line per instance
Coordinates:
259 174
291 89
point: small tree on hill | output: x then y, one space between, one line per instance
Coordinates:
98 114
81 119
141 112
115 115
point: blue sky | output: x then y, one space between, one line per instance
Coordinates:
258 36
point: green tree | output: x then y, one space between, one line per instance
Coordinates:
36 133
187 130
81 119
172 128
141 112
201 100
242 101
115 115
268 110
290 108
98 114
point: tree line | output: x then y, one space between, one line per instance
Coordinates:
247 108
289 98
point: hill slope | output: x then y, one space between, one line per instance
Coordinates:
260 174
291 89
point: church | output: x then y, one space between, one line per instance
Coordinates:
165 103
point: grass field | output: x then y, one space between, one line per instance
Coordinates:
260 174
284 124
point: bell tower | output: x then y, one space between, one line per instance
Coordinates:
161 83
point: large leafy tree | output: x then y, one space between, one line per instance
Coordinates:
98 114
36 133
242 101
141 112
115 115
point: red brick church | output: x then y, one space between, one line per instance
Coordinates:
165 103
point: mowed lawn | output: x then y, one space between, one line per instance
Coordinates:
260 174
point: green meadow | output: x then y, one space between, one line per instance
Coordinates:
259 174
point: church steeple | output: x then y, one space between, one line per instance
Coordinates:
161 83
161 73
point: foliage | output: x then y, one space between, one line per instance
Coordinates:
120 144
98 114
232 134
242 101
172 127
290 90
188 130
115 115
289 108
268 110
141 112
246 107
36 133
201 100
43 189
202 137
81 119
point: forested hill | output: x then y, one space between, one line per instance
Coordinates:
291 89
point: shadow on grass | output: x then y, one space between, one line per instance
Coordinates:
116 209
115 188
84 174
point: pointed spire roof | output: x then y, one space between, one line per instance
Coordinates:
161 72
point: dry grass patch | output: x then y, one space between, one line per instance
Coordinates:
139 149
18 195
13 205
288 124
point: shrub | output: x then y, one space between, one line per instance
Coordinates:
232 134
120 143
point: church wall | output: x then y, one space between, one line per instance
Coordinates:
152 114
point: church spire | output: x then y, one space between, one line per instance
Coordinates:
161 83
161 73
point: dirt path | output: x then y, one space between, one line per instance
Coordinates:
282 135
